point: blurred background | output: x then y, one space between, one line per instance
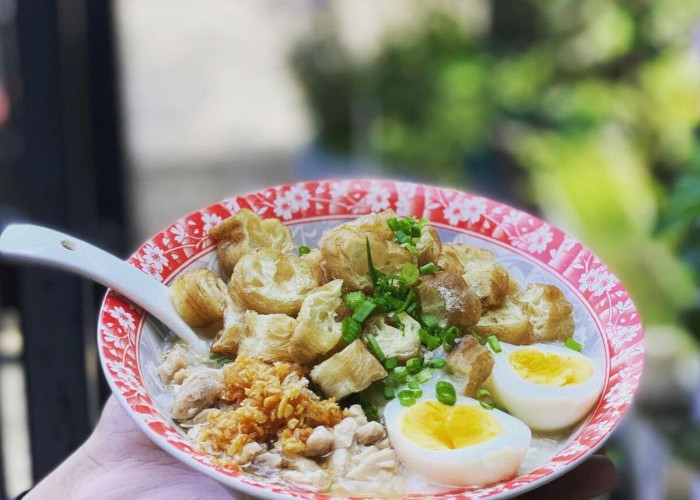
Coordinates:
118 117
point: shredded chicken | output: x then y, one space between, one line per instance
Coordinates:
200 390
344 432
320 442
369 433
369 461
175 360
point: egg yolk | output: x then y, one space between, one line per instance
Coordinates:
545 368
436 426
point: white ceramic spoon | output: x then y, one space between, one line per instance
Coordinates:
36 244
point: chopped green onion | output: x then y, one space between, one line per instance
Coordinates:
401 375
430 341
572 344
479 338
403 238
399 324
433 342
354 299
449 339
422 222
391 363
455 331
417 392
412 307
364 310
409 273
414 385
406 398
423 376
429 268
430 322
436 363
445 393
481 396
414 365
394 224
374 347
303 250
220 359
373 274
494 344
388 393
350 330
371 412
410 298
394 303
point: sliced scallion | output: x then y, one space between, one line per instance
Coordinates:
409 273
572 344
406 398
436 363
428 268
482 395
423 376
388 393
455 331
373 274
400 374
354 299
449 339
494 344
364 310
303 250
445 393
371 412
414 365
430 322
374 347
391 363
350 330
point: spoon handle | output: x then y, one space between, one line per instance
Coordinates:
40 245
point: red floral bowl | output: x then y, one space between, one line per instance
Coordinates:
130 342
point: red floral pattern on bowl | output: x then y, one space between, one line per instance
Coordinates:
168 253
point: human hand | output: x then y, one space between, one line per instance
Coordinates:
119 462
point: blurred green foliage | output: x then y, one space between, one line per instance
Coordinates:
596 100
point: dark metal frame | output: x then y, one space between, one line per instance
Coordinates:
69 175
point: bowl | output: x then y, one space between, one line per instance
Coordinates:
130 342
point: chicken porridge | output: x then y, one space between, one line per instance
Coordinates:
383 362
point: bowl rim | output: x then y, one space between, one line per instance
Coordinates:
168 252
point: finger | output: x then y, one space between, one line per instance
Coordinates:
592 478
115 418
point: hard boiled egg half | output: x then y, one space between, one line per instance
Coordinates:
458 445
547 386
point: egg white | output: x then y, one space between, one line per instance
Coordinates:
493 460
542 407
